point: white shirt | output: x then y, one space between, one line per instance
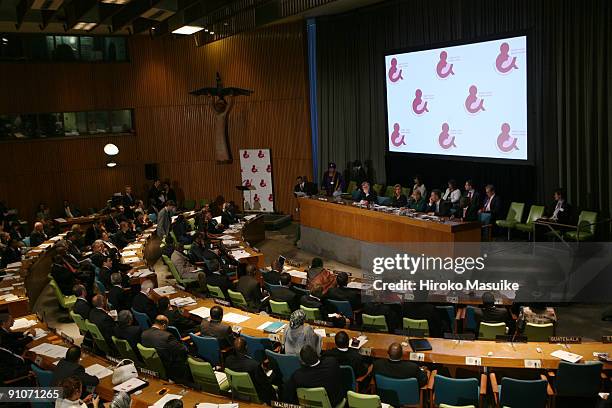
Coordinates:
488 206
454 196
66 403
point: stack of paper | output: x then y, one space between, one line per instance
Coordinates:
162 401
129 385
566 356
297 274
225 236
142 273
239 254
355 285
230 242
128 253
39 333
202 312
9 298
234 318
131 260
22 323
182 301
132 247
44 246
98 370
50 350
165 290
320 332
14 265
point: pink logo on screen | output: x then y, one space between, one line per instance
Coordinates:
247 183
397 139
394 74
261 154
253 169
262 183
269 168
504 62
241 170
256 198
445 140
473 103
245 154
444 69
419 106
270 198
505 142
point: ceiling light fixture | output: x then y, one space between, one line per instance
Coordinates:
82 25
111 163
111 149
187 30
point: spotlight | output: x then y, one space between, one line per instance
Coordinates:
111 149
111 163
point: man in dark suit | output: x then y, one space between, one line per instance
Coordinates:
105 272
72 245
14 341
11 253
342 292
129 202
81 306
241 362
69 367
183 324
38 236
468 210
316 300
64 278
561 211
248 285
304 186
228 217
124 236
491 209
316 372
215 328
489 313
94 233
471 193
284 292
100 317
437 206
395 367
142 303
346 355
367 194
14 367
172 352
127 330
219 278
117 296
273 275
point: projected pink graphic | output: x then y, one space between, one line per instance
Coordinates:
473 103
246 154
254 169
261 154
396 138
445 140
269 168
270 198
256 198
505 142
262 183
394 74
444 69
248 183
419 106
504 62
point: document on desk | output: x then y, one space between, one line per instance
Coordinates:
39 333
132 247
362 340
235 318
9 298
50 350
163 400
320 332
165 290
131 260
98 370
22 323
203 312
250 217
130 385
566 356
355 285
182 301
239 254
298 274
218 219
128 253
14 265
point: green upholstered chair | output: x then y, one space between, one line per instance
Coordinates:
316 398
357 400
203 375
237 299
280 308
374 323
189 204
215 292
352 186
66 302
539 332
535 212
389 191
312 313
377 188
418 324
125 350
490 331
585 229
242 386
98 339
152 360
80 322
514 216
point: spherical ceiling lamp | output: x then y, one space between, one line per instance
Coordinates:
111 149
111 163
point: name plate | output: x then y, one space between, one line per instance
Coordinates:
533 363
280 404
149 372
365 351
505 338
274 337
322 323
222 302
606 339
417 356
565 339
452 299
473 361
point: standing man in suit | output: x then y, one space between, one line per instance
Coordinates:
215 328
171 351
69 367
346 355
129 202
437 206
81 306
491 209
14 341
142 302
562 210
119 298
284 292
471 193
241 362
248 285
100 317
395 367
164 218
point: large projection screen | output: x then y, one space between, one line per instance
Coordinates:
466 100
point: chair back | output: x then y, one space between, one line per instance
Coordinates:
280 308
242 386
523 393
535 212
515 212
174 239
585 219
406 191
66 302
97 337
348 377
490 331
270 286
398 392
208 348
539 332
579 380
374 323
456 391
352 186
313 397
237 299
287 363
43 377
189 204
300 291
356 400
215 292
203 202
390 191
80 322
418 324
175 332
448 311
172 269
100 286
142 319
203 375
312 313
125 350
343 307
257 346
377 188
152 360
26 242
470 318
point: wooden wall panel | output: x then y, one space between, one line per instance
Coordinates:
173 128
